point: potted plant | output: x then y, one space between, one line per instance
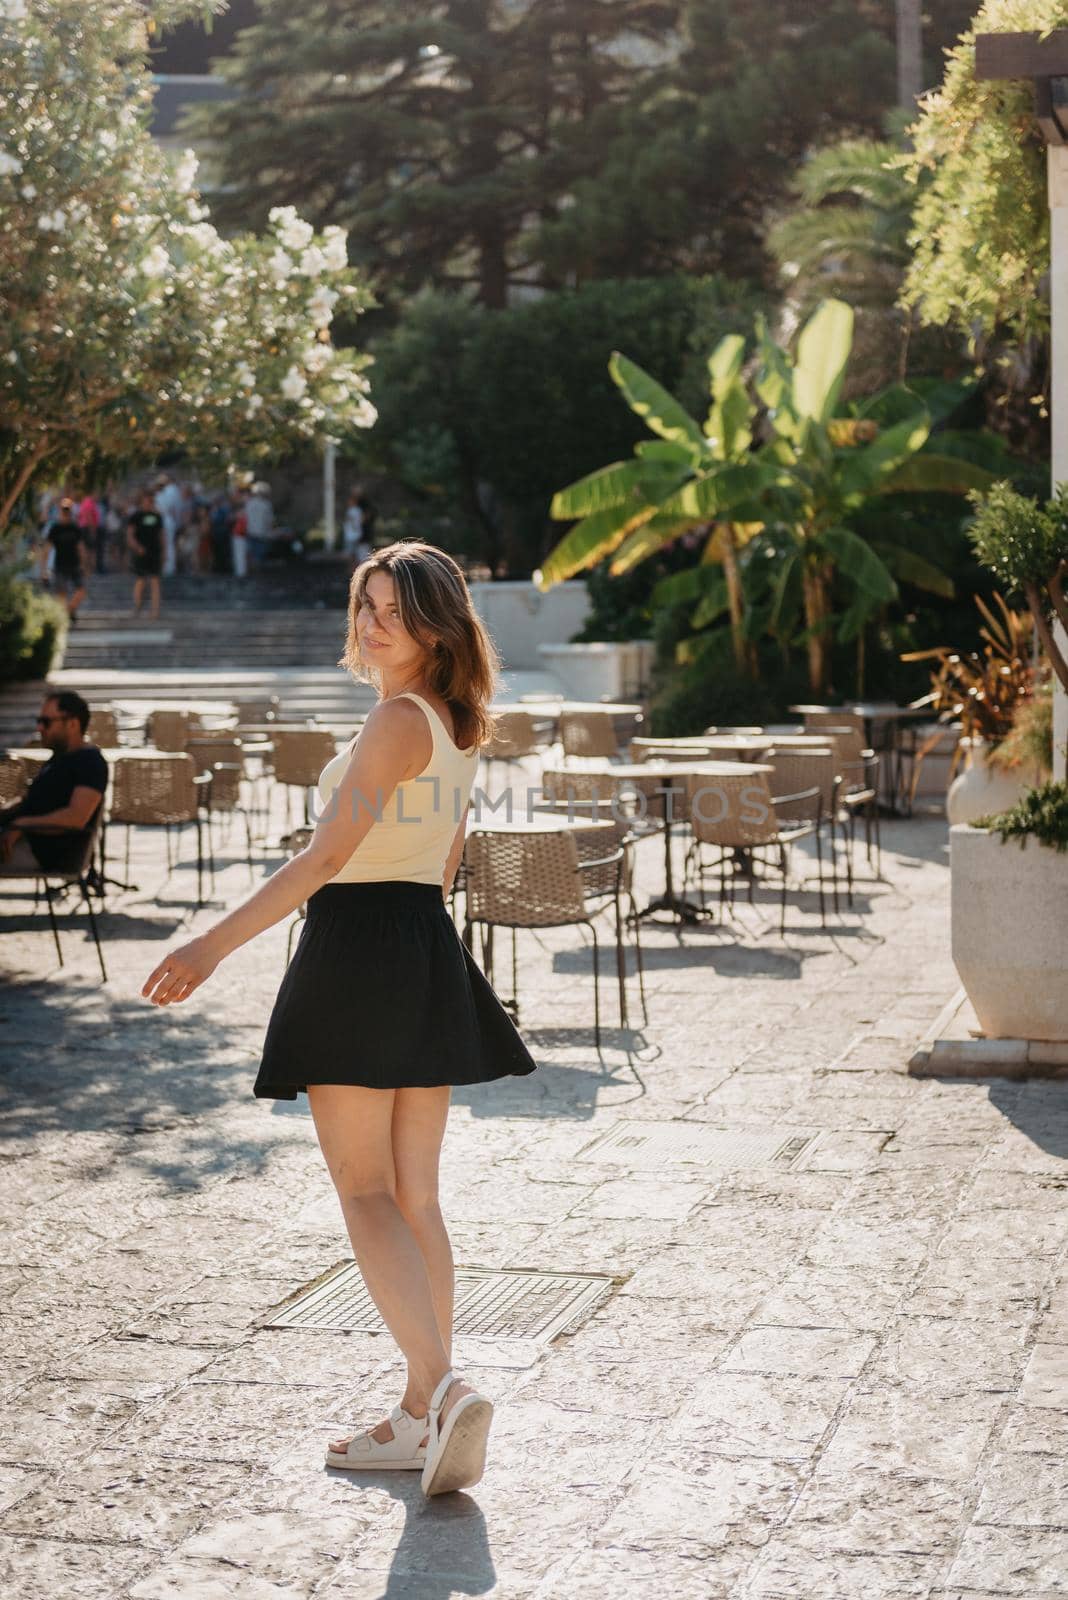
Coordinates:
988 694
1009 872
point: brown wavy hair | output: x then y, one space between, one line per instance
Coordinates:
435 606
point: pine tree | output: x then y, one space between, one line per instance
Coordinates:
439 135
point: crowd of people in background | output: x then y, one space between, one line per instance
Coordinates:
167 527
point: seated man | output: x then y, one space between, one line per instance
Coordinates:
47 827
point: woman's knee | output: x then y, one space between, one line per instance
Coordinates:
417 1200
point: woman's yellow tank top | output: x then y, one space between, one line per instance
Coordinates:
413 830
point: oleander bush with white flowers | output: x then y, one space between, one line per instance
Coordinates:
129 326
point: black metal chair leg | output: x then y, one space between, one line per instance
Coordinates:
621 967
515 971
596 989
52 917
96 932
248 847
200 864
819 859
634 922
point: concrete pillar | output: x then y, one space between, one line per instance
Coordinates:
1057 156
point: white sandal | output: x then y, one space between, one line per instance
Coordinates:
404 1452
456 1452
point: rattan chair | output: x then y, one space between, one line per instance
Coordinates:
822 721
163 792
517 733
610 883
14 779
300 754
103 729
82 874
588 733
171 730
258 708
797 771
858 796
529 879
222 758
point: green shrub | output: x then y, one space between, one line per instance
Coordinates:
33 630
1040 814
711 692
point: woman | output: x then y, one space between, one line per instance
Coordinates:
382 1008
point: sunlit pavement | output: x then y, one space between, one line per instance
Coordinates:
838 1370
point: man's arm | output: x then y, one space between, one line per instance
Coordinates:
76 814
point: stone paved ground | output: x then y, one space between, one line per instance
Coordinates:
845 1380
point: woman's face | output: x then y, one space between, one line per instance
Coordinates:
384 641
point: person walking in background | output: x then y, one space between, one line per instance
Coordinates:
93 535
115 520
169 505
221 518
352 528
239 536
65 541
145 536
382 1008
259 518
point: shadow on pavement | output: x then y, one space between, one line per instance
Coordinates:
77 1058
444 1547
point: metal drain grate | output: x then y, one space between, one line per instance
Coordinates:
489 1304
654 1144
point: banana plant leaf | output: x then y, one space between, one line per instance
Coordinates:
823 349
618 484
936 474
907 566
590 540
855 558
658 409
863 471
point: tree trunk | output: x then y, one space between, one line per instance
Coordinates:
909 52
743 652
815 583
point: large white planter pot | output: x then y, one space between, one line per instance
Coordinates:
1010 932
982 790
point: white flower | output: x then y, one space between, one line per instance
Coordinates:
364 416
281 265
254 403
335 249
312 261
186 170
52 221
29 191
156 263
292 230
9 165
247 379
321 306
294 385
317 358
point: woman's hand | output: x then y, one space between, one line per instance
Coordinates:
183 971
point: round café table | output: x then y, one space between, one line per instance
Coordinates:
659 781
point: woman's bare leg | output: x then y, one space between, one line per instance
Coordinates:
354 1126
419 1117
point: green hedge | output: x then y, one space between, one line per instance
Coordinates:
33 630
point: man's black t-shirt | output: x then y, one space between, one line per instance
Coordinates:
51 790
148 531
66 537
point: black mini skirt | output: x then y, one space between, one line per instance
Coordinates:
382 993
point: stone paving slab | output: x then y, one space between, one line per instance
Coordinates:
847 1377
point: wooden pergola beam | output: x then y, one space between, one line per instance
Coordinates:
1043 59
1022 55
